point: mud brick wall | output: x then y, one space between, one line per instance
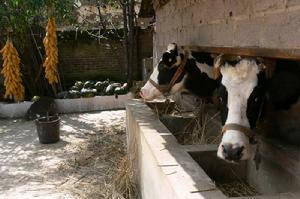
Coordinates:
240 23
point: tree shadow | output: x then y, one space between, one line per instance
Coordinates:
24 162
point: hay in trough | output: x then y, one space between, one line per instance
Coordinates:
237 189
205 127
163 106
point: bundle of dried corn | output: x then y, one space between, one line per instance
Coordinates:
11 72
50 43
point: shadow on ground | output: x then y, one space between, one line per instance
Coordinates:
29 169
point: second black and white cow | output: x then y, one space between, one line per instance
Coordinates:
197 75
242 92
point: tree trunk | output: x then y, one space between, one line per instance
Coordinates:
131 39
126 65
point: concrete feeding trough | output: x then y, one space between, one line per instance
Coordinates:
180 125
194 127
165 169
162 106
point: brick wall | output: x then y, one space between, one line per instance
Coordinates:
84 60
262 23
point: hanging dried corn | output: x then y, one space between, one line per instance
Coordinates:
50 43
11 72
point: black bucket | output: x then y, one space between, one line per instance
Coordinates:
48 129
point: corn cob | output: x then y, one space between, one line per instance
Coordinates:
11 72
50 44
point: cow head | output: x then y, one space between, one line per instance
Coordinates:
163 73
241 96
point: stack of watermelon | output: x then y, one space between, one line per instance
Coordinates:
94 88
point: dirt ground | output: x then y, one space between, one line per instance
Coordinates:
81 165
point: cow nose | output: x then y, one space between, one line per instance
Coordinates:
143 92
231 152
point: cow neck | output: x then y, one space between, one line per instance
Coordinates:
165 88
237 127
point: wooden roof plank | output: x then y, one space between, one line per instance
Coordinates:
292 54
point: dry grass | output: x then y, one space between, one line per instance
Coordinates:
203 129
237 189
124 186
100 168
161 107
200 133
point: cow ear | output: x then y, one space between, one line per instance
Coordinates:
267 65
218 62
172 47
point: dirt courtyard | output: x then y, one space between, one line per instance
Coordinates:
80 165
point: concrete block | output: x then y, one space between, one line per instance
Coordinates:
267 6
198 16
292 3
272 29
176 21
223 34
14 110
18 110
213 10
187 17
205 35
237 8
91 104
247 32
290 31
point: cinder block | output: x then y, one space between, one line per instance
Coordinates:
271 30
223 34
267 5
205 35
268 23
290 31
187 18
237 8
198 18
193 36
247 32
292 3
213 10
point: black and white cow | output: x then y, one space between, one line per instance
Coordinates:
242 90
197 76
242 93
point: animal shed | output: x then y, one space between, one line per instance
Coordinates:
266 29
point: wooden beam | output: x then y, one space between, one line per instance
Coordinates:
292 54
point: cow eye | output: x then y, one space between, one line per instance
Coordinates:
170 60
256 99
220 100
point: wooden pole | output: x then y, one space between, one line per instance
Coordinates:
131 40
125 42
292 54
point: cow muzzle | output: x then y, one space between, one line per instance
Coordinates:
238 143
